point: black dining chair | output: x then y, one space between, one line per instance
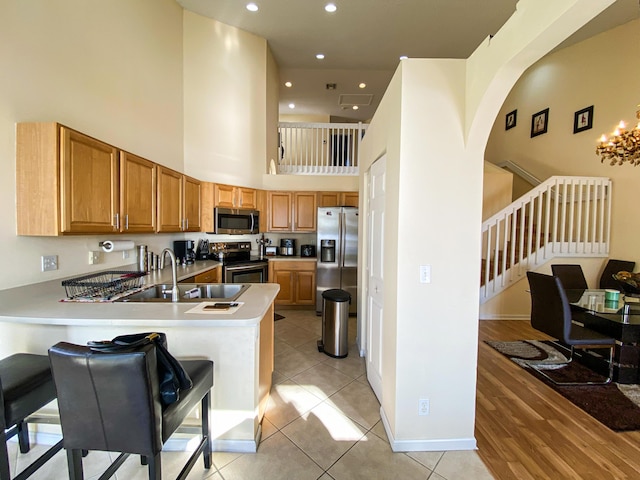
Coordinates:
571 276
611 268
26 386
551 314
111 402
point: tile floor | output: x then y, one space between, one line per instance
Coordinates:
322 422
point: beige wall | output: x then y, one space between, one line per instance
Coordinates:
225 96
432 124
497 185
112 70
599 71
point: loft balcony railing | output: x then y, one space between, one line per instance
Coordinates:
319 148
561 217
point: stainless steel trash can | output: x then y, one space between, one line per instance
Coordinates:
335 323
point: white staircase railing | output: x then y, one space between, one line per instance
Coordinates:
319 148
561 217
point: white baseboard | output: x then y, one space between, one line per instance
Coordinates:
435 445
490 316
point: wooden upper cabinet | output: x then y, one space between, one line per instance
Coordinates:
279 206
350 199
170 198
137 194
305 211
178 201
66 182
291 211
229 196
191 213
338 199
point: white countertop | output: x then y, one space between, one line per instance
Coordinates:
41 303
289 258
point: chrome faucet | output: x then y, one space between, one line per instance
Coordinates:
174 273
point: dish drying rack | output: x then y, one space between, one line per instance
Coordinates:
103 285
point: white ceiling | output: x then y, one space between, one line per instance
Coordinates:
363 40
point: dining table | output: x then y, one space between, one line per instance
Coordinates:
618 319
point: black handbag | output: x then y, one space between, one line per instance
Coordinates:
171 374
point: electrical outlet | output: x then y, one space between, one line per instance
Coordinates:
94 257
423 406
49 262
425 273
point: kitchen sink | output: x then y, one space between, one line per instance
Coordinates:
188 292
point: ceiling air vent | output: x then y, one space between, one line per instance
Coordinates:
331 86
360 99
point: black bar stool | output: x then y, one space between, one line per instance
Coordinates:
111 402
26 386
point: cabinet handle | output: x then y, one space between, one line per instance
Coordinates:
187 224
126 222
117 219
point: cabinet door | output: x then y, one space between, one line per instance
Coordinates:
305 288
223 196
305 211
246 197
137 194
210 276
349 199
89 184
191 218
279 214
285 279
328 199
170 197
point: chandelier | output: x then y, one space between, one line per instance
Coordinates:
623 146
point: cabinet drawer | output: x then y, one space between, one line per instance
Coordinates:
294 266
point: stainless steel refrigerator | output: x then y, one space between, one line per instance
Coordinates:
337 252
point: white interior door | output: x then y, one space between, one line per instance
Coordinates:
375 273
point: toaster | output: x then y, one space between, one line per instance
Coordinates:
270 251
307 250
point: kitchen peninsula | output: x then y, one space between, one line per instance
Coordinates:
240 342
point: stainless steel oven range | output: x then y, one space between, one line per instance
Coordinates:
238 266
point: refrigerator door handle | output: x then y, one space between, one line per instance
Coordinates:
341 239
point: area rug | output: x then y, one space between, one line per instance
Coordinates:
277 316
615 405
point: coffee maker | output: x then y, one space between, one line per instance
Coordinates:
287 246
184 250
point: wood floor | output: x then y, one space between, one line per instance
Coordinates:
525 430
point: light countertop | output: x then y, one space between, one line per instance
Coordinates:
290 258
41 303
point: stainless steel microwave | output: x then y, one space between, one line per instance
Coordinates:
236 221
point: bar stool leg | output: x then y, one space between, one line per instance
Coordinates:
4 455
74 463
155 467
23 437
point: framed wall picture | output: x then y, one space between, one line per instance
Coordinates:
510 120
583 119
539 122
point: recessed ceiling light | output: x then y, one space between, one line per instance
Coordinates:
252 7
330 7
355 107
288 84
362 85
403 57
320 56
292 105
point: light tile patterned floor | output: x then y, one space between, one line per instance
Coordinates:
322 422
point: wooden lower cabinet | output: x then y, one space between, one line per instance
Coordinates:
297 280
210 276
